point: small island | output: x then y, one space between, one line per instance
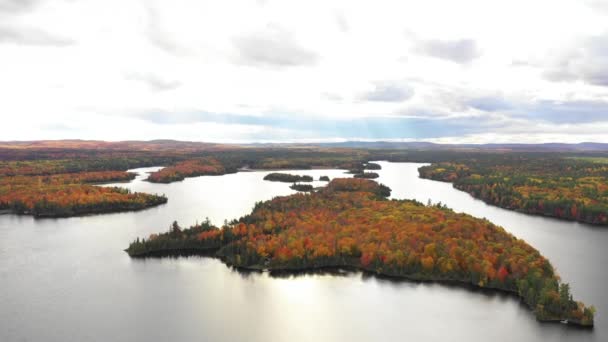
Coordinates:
189 168
324 178
360 168
287 178
301 187
372 166
351 224
366 175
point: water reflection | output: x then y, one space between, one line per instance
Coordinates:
70 280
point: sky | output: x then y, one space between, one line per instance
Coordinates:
463 71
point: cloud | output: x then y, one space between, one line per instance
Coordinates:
273 47
164 117
332 97
323 127
598 5
587 61
31 36
16 6
389 92
545 111
567 112
424 125
153 81
459 51
489 103
158 36
58 127
341 22
179 70
523 63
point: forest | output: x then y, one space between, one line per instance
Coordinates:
366 175
301 187
566 188
287 178
570 186
350 223
55 178
70 194
189 168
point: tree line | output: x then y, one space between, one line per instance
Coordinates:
564 188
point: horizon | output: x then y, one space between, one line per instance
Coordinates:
258 71
312 142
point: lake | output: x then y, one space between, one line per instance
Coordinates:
69 279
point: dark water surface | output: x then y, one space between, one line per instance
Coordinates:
69 280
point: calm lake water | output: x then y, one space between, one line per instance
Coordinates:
69 279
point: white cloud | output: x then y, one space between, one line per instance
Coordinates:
585 60
459 51
153 81
389 92
91 68
17 5
273 47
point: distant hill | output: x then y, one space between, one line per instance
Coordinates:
548 147
189 146
150 145
422 145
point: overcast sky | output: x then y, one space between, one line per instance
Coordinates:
240 71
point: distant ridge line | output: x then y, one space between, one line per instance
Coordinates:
169 144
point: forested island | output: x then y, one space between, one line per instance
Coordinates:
301 187
351 224
359 170
372 166
71 194
366 175
287 178
189 168
565 188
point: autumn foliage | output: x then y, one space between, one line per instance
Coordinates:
351 224
366 175
188 168
564 188
71 194
287 178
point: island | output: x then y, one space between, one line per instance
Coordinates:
360 168
301 187
372 166
324 178
71 194
189 168
287 178
351 224
366 175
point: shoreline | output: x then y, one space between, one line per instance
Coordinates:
91 213
518 210
277 270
